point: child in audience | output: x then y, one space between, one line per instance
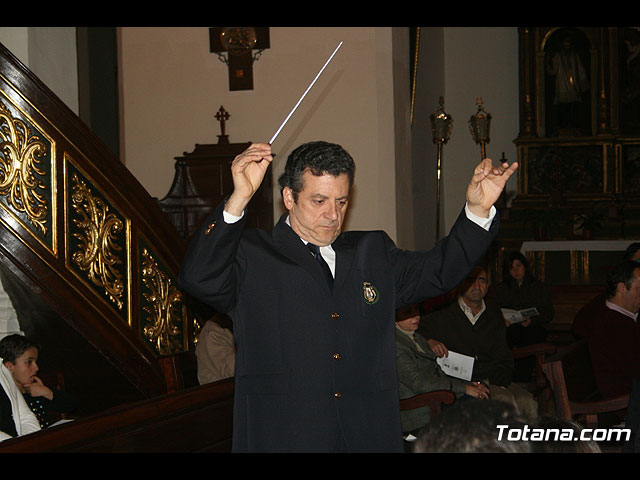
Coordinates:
16 418
19 356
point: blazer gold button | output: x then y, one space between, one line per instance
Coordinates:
337 356
209 228
335 315
337 395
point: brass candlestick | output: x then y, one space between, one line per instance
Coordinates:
441 125
479 124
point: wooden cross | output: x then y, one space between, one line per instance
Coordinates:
222 116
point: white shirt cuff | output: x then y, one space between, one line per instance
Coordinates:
230 218
483 222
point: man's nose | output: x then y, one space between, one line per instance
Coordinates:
331 211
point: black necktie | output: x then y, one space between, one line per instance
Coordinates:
315 251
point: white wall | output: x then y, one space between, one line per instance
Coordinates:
50 53
172 86
479 62
430 86
16 39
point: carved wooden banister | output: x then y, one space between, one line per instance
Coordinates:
88 255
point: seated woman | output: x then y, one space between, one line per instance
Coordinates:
418 371
19 358
520 290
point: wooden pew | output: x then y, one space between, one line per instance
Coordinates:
434 400
197 419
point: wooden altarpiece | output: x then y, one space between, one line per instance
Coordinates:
579 136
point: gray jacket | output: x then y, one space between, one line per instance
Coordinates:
418 372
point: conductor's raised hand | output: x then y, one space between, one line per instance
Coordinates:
248 170
486 185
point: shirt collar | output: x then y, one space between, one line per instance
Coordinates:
468 313
324 250
407 333
411 336
621 310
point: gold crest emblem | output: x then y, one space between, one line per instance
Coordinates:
370 293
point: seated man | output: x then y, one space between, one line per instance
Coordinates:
612 331
216 350
469 327
418 371
583 317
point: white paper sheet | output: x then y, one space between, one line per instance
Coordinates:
517 316
457 365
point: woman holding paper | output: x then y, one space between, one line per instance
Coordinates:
522 292
526 306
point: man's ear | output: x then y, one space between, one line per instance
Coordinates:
9 365
287 197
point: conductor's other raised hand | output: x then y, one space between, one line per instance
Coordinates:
486 185
248 170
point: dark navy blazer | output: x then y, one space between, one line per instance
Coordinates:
313 364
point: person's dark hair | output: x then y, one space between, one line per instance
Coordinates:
320 158
623 272
464 285
508 261
631 250
472 426
409 311
13 346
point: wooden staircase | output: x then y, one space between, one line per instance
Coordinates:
87 257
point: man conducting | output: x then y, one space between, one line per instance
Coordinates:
315 365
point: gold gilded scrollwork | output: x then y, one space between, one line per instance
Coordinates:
196 331
98 241
20 153
163 300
